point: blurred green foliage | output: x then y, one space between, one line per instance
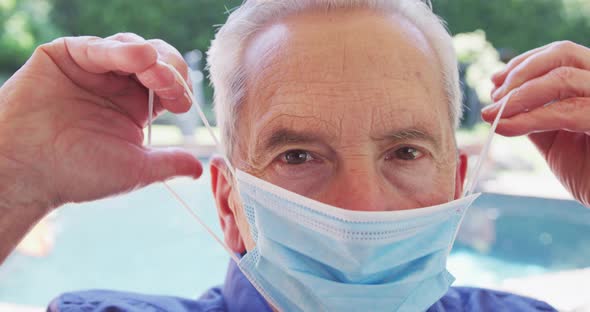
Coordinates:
24 24
518 25
186 24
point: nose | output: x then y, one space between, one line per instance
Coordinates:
361 189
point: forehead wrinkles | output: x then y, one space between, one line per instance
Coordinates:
322 45
406 110
298 116
302 74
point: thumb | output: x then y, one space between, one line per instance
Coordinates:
164 164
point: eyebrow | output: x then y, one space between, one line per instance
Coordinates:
283 136
409 134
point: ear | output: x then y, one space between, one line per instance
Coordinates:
460 174
222 189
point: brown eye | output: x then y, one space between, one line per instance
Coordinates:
296 157
407 153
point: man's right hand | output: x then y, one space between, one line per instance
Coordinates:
71 123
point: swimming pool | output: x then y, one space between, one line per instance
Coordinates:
146 242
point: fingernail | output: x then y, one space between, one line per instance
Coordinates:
490 108
188 98
168 97
160 62
497 93
167 93
496 74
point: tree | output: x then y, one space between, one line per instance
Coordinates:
519 25
25 23
186 24
515 25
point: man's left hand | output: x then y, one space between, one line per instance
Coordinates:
550 103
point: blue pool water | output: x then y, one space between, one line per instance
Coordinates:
146 242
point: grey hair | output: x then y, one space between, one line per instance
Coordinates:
227 72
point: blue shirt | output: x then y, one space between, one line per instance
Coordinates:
237 294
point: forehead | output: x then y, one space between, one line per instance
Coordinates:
341 70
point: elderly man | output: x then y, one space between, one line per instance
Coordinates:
351 104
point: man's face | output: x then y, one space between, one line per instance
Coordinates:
348 109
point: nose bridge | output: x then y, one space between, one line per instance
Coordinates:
358 186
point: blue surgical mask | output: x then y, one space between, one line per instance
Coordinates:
311 256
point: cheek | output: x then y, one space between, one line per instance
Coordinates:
445 182
441 187
424 185
304 180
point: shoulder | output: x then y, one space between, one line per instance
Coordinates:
106 300
478 299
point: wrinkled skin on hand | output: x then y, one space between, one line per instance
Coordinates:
559 74
71 120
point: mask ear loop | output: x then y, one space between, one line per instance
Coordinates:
176 196
208 126
470 187
201 114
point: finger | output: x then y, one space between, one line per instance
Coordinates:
169 55
563 54
164 164
499 77
156 76
559 84
99 56
69 55
86 60
125 37
134 103
130 100
159 78
571 114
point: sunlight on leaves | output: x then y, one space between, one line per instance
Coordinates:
484 60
